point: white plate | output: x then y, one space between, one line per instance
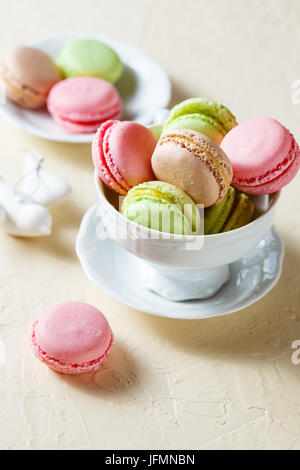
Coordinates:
112 269
144 87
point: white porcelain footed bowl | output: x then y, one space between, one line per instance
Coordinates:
184 267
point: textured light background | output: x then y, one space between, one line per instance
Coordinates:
220 383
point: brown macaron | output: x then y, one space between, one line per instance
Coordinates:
195 164
28 75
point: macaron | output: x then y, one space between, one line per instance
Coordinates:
241 213
203 115
235 211
89 57
194 163
122 154
163 207
28 75
81 104
264 155
72 338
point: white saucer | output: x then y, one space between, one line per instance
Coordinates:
115 271
144 87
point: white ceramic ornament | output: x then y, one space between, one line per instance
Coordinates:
161 116
44 187
22 211
19 216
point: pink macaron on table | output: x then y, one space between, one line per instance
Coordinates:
72 338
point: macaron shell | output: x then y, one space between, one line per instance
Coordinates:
207 107
259 151
25 98
100 163
122 154
181 172
157 214
169 193
73 332
88 57
83 127
81 104
277 184
129 150
215 217
66 367
84 99
194 163
200 123
242 213
32 68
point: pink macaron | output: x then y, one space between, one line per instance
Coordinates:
82 104
264 155
122 154
72 338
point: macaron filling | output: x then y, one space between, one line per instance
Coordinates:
137 192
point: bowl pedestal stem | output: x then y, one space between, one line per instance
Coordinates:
177 284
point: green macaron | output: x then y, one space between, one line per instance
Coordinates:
203 115
163 207
234 211
241 214
215 216
89 57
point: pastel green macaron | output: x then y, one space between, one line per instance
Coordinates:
163 207
235 211
203 115
89 57
242 213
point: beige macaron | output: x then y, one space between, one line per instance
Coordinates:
28 75
195 164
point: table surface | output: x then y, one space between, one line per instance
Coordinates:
223 383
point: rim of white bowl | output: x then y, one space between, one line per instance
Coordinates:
175 237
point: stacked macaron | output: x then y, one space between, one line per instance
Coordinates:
78 90
203 115
203 158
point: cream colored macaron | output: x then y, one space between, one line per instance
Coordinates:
28 75
195 164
